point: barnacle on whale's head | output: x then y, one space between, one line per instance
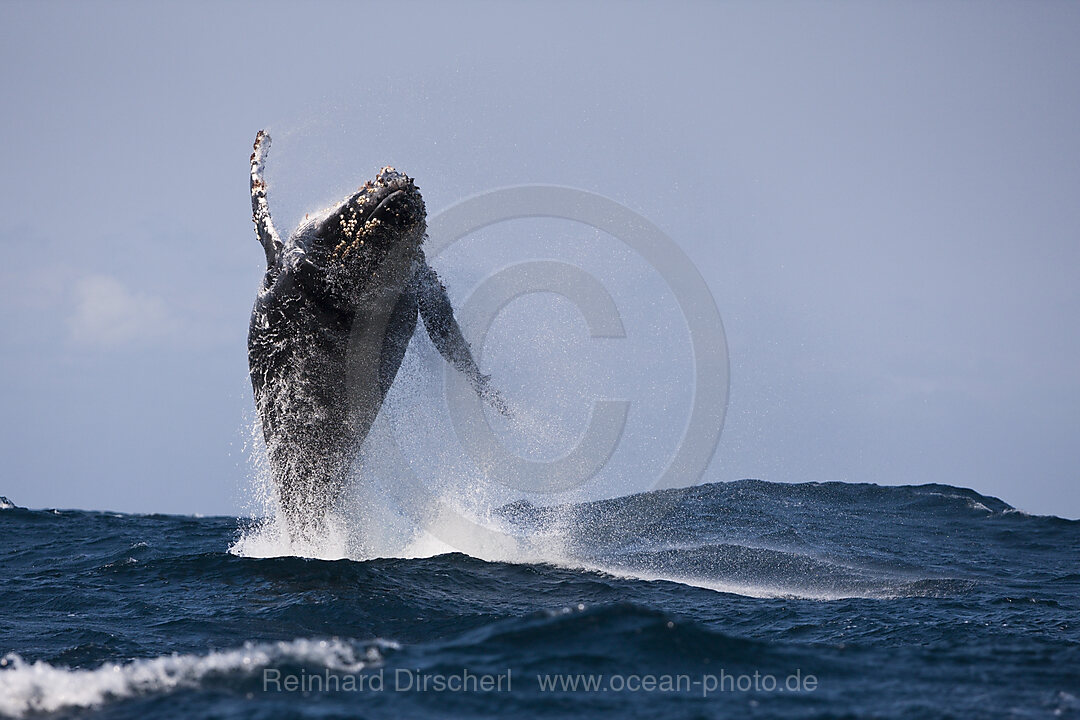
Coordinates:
380 215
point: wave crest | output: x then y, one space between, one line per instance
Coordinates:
41 687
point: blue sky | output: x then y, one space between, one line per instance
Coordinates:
881 197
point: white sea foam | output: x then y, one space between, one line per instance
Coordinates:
40 687
269 537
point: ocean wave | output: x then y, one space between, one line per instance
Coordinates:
27 687
749 538
147 615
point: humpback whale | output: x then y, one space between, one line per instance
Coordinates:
335 311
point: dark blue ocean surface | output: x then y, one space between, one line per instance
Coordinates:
746 599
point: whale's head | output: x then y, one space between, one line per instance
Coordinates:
384 217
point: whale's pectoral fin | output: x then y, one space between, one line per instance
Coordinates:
260 208
445 332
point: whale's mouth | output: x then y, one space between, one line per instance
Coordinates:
391 208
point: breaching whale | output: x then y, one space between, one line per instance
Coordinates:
336 309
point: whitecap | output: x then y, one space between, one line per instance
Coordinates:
41 687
